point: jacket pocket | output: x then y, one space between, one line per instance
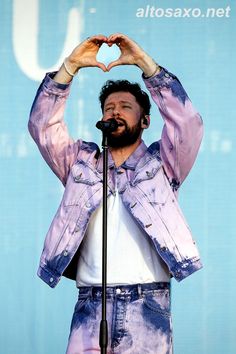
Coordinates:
153 186
146 173
82 173
82 183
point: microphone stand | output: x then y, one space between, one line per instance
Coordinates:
106 127
103 336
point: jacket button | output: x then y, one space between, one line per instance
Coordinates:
65 253
51 279
77 178
148 225
177 274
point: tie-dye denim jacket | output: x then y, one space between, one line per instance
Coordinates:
147 181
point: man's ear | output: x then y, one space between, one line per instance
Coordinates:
145 122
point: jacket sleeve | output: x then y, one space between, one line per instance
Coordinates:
48 129
183 128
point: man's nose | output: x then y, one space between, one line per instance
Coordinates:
116 112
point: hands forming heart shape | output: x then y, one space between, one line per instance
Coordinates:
84 55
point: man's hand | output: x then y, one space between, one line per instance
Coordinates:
84 55
131 54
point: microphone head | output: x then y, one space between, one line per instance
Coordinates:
107 126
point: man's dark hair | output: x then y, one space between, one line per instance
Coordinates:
124 85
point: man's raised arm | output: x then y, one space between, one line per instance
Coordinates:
46 123
183 129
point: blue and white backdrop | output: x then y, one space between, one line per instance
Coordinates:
195 39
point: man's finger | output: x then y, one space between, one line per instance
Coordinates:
99 37
101 66
115 38
113 63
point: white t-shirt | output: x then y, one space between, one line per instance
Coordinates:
131 257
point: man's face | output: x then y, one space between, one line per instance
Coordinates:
125 109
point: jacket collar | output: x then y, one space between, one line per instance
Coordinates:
130 163
135 157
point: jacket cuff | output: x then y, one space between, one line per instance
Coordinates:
55 87
165 79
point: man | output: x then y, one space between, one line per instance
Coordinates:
148 238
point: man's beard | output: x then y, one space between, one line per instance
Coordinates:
128 137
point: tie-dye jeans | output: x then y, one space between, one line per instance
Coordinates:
138 318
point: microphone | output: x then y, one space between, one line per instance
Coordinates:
107 126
